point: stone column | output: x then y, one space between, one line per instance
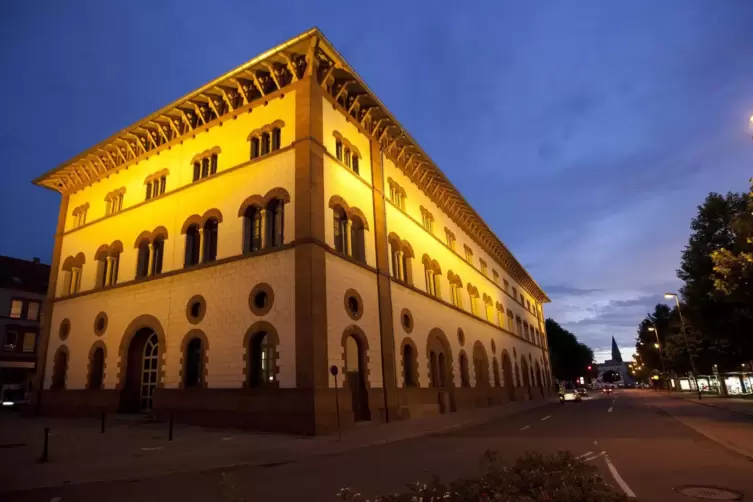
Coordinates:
264 233
348 238
150 262
201 245
400 269
108 271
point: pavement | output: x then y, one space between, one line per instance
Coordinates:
646 444
742 405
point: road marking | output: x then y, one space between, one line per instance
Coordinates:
227 439
618 478
610 409
585 454
596 442
524 428
152 449
603 452
546 418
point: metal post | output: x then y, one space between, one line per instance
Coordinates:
661 358
45 449
102 423
333 371
690 356
170 433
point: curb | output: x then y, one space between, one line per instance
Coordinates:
723 408
721 442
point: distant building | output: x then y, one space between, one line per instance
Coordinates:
216 259
615 364
23 286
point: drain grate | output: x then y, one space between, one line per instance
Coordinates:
709 493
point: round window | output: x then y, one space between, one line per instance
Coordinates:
406 319
65 329
100 324
461 336
353 304
196 309
261 299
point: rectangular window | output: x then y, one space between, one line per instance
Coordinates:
204 167
254 147
32 311
11 340
148 191
16 309
339 150
30 341
196 171
162 184
355 164
213 164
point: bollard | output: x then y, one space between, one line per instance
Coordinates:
102 424
333 371
45 448
170 433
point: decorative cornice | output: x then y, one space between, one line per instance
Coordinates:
309 54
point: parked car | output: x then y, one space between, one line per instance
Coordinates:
582 392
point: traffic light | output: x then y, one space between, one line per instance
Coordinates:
589 368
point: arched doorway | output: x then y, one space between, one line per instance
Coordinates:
142 372
539 382
480 365
440 369
355 375
526 377
508 376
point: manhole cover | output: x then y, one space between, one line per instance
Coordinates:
709 493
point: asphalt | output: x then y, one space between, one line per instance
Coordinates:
650 452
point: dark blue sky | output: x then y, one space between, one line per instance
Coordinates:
585 133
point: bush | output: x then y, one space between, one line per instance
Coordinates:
533 477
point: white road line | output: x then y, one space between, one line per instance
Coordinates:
610 409
593 457
524 428
618 478
585 454
596 442
152 449
546 418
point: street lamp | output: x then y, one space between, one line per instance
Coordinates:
661 356
685 336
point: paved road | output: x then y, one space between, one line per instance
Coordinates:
651 453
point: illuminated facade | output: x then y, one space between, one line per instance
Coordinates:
216 259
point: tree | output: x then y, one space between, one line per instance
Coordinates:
716 297
570 358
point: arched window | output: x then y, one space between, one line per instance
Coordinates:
465 379
210 240
112 278
409 366
525 331
205 167
275 223
255 147
102 271
196 171
340 220
263 360
276 138
429 277
252 229
158 252
358 246
395 259
213 164
495 369
163 184
354 164
339 150
148 191
433 372
96 368
193 369
265 143
193 243
59 370
519 323
142 264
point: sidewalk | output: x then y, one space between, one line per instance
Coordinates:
129 449
727 427
736 404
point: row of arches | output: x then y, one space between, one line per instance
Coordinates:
439 360
142 355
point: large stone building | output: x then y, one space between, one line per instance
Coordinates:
217 258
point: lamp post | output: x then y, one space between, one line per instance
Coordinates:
661 356
685 337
